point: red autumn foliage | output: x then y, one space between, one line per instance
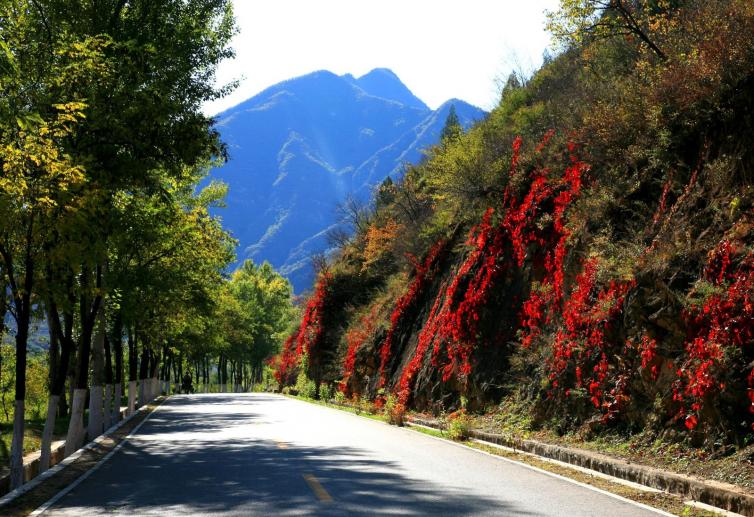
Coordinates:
426 337
286 361
424 273
725 320
355 338
497 246
310 331
663 200
580 350
309 334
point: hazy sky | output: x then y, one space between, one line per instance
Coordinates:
440 48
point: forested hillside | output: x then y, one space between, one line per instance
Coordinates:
585 254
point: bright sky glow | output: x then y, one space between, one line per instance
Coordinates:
439 48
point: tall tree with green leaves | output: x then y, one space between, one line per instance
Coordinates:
452 129
38 178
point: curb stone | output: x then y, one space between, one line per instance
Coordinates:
720 495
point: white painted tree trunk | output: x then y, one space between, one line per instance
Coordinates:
94 429
117 396
52 408
143 391
75 438
223 388
131 397
96 417
206 388
107 416
17 447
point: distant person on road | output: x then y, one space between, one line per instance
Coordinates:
187 386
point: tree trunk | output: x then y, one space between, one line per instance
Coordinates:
96 393
23 306
52 400
89 311
131 398
117 397
117 342
107 414
143 372
75 438
17 446
108 409
58 373
44 458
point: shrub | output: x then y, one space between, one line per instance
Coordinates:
305 387
459 425
394 410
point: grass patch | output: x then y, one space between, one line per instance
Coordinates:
726 464
32 436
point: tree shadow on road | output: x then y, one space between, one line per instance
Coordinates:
186 471
260 477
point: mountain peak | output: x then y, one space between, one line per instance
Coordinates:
380 72
382 82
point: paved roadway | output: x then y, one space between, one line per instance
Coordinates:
259 454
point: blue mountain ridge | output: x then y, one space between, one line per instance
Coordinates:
301 147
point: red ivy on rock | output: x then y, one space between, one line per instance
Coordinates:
310 332
726 319
495 246
424 273
355 338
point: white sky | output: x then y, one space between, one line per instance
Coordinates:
439 48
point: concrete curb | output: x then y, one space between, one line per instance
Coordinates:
32 477
713 493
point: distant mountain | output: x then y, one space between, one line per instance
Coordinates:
300 147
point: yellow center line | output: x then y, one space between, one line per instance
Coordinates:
317 488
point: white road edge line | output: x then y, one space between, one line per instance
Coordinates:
579 468
54 499
551 474
532 467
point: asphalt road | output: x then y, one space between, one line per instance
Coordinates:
259 454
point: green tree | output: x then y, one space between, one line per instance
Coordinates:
578 20
452 129
256 308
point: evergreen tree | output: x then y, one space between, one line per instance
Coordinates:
453 128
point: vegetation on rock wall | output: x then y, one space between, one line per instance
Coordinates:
607 275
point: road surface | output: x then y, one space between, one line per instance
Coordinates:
260 454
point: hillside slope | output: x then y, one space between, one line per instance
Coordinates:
299 148
585 255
